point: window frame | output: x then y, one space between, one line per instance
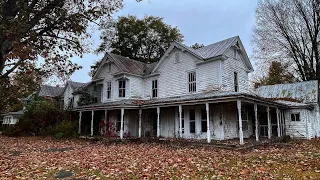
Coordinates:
109 89
154 88
236 81
192 82
122 89
295 117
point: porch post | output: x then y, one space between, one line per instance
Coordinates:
158 121
240 122
269 122
256 120
140 119
121 124
80 117
105 121
208 124
180 121
278 122
92 115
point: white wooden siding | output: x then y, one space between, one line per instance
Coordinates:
299 129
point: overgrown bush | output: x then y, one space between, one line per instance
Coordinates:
39 116
64 129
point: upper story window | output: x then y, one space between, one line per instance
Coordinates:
176 57
108 90
192 83
109 67
155 88
71 102
295 117
122 88
235 82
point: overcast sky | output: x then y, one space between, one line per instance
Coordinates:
200 21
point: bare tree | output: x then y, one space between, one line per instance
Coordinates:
288 31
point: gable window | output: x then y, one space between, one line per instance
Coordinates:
295 117
235 82
71 102
192 85
155 88
204 120
108 90
122 88
176 57
192 120
109 67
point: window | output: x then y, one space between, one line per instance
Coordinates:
192 120
295 117
118 123
176 57
109 67
108 90
204 126
155 88
122 88
71 102
235 81
192 85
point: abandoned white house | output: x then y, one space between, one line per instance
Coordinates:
202 93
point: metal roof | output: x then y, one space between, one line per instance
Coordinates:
216 49
304 92
50 91
211 96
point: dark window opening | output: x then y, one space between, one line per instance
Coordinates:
122 88
295 117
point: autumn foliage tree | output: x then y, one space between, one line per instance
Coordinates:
144 39
42 35
278 74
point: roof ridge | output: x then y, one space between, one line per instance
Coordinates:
216 42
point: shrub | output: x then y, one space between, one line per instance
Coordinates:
64 129
38 119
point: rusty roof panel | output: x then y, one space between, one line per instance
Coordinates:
305 92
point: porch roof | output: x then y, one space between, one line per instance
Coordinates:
211 97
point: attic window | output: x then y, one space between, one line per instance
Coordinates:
176 57
109 67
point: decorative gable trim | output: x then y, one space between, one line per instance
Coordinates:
106 59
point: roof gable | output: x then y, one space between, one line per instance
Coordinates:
209 52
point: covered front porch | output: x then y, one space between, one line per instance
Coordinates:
210 119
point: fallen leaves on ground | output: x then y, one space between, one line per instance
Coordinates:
42 158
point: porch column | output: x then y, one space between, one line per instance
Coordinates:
269 122
256 120
208 124
240 122
80 117
121 124
158 121
92 115
140 119
105 121
180 121
278 122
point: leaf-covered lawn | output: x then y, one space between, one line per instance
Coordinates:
40 158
